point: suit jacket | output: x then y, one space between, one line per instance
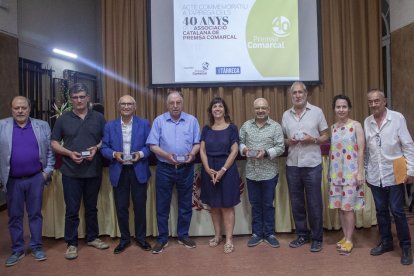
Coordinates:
113 142
41 130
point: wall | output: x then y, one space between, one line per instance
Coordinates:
9 85
69 25
402 58
8 17
401 13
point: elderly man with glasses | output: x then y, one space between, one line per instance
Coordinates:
124 144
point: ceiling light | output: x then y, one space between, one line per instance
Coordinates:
65 53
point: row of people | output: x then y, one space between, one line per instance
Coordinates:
27 163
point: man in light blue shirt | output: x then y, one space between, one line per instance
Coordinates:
175 140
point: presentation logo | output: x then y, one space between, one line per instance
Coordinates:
229 70
272 38
204 69
205 65
281 26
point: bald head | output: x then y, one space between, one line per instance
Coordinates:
261 109
22 98
127 107
126 98
260 101
20 107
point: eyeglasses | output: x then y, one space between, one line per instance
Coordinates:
75 98
378 139
126 104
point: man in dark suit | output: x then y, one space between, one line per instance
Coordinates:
124 145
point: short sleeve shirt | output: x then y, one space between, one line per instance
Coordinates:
78 134
174 136
312 122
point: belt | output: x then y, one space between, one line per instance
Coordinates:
24 177
178 166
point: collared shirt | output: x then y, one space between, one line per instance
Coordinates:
79 134
312 122
126 137
269 137
24 159
384 144
174 136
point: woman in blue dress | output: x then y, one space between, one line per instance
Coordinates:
220 188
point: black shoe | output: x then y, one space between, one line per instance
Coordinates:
316 246
187 242
298 242
144 245
382 248
121 247
158 247
406 256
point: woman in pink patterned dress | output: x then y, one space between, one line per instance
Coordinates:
346 169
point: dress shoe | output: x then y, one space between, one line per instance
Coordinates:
381 249
144 245
121 247
406 256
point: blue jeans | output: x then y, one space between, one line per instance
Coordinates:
73 190
166 177
261 196
29 192
129 185
301 180
386 199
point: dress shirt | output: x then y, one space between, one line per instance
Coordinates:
126 138
384 144
312 122
269 137
174 136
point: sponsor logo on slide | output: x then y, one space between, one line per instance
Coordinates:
204 68
205 65
232 70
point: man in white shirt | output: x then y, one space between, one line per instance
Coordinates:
387 139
